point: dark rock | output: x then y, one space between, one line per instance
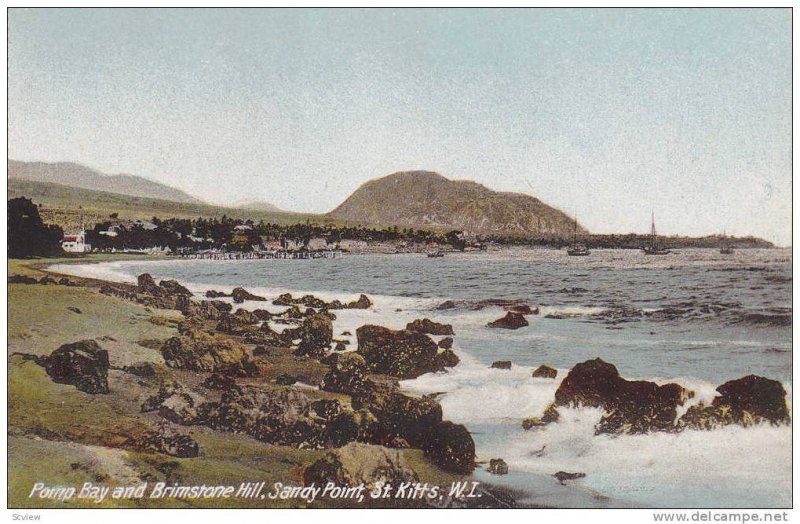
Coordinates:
346 334
240 295
262 314
181 446
173 287
360 464
402 354
146 284
346 375
340 346
280 417
47 280
285 379
430 327
522 309
631 406
64 281
447 304
544 371
363 302
510 321
399 415
563 475
199 351
446 359
550 415
313 302
745 401
220 382
450 446
216 294
74 309
285 299
247 317
348 426
81 364
326 408
316 334
498 467
501 364
446 343
141 369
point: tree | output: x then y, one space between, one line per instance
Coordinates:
27 235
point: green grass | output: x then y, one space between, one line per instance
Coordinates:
61 436
69 207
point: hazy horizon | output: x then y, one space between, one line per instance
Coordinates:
607 114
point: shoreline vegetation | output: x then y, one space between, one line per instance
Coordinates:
246 232
172 405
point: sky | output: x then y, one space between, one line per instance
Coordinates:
609 114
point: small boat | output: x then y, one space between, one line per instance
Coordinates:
435 254
576 249
725 247
653 248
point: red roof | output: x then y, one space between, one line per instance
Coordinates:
70 238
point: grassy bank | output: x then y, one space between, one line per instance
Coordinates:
59 435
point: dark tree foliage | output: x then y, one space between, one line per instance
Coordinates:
28 236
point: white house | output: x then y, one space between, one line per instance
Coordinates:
317 244
76 243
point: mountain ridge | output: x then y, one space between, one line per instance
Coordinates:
80 176
427 198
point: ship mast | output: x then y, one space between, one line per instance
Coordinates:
653 230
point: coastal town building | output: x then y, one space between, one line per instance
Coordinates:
76 243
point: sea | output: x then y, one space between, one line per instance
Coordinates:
695 317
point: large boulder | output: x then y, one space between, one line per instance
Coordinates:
316 334
200 351
173 287
512 320
360 464
146 284
745 401
346 375
631 406
240 294
81 364
450 446
279 417
403 354
430 327
403 420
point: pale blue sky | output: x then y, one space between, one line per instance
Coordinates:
610 113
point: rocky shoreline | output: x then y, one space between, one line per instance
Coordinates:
229 371
283 379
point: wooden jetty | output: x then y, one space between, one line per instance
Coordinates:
259 255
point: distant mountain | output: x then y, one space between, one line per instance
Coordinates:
258 205
79 176
424 198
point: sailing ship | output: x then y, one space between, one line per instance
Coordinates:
725 248
653 248
576 249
